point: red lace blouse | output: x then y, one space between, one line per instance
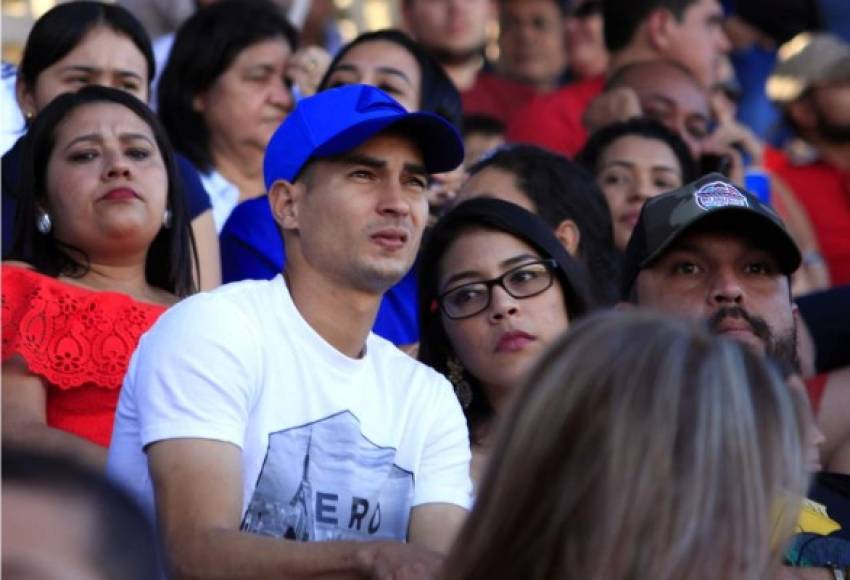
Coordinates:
78 340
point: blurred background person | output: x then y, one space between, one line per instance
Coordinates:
811 84
632 162
102 247
688 32
564 196
252 245
587 56
481 135
532 42
496 289
224 92
81 43
640 447
64 520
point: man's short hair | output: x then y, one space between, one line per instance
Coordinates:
623 17
123 543
562 5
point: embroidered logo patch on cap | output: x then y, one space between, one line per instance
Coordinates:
719 194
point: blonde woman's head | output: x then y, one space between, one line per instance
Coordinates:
641 447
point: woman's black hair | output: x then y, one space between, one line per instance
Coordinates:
493 214
204 48
61 29
172 253
599 141
438 95
561 189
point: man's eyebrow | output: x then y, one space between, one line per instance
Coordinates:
358 159
416 168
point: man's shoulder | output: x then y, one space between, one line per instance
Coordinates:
411 373
243 304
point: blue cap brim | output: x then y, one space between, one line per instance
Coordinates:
440 143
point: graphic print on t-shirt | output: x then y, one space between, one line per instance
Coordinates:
326 481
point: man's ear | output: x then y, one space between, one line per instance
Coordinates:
569 235
658 29
284 198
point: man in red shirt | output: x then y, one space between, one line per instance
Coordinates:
686 31
811 83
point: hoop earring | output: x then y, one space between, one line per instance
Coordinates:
166 218
43 223
463 391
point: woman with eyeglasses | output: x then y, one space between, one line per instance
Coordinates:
496 288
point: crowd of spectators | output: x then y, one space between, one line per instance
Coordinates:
518 289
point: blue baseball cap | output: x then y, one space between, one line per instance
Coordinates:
338 120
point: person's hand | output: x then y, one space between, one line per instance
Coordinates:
307 67
396 561
614 106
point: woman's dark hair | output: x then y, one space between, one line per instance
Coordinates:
439 94
204 48
599 141
61 29
493 214
171 254
561 189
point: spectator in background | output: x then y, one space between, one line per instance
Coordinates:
455 33
587 56
632 162
64 520
496 289
102 247
481 135
639 447
564 196
756 29
686 31
252 245
82 43
532 42
223 93
811 83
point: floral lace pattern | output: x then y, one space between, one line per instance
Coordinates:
71 336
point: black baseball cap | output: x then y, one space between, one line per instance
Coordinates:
664 218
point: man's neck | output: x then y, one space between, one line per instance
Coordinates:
835 154
342 316
463 72
630 55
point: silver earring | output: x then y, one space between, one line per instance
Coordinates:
43 223
463 390
166 219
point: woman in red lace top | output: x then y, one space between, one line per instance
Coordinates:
102 247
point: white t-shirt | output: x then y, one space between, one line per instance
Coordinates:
332 447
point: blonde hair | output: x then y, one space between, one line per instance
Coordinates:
641 447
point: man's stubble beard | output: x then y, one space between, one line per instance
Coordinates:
783 349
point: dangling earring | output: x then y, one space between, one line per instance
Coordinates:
166 218
456 377
43 223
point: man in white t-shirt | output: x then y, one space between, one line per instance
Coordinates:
266 412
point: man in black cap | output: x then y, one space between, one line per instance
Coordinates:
711 250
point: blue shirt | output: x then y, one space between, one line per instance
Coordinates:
252 249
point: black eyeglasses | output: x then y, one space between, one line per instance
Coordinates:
470 299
